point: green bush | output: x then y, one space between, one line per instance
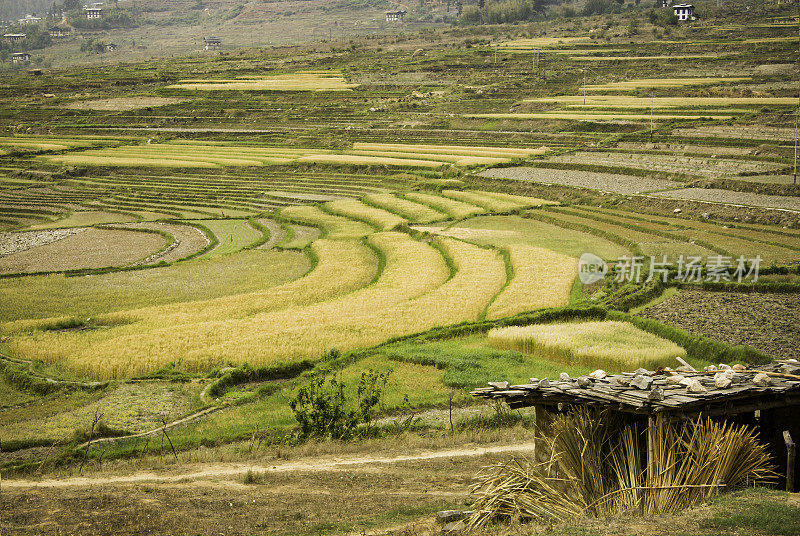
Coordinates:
323 410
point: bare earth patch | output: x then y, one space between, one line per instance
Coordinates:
15 242
607 182
124 104
767 322
92 248
716 195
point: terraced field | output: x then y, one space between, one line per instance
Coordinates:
299 81
204 155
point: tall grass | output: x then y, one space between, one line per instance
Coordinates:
593 464
608 344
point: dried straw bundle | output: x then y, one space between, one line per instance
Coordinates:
593 464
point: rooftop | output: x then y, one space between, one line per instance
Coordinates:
717 390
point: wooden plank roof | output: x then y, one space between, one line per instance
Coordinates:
652 392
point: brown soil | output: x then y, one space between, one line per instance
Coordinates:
306 496
767 322
93 248
123 104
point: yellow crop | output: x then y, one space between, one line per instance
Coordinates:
542 278
354 209
456 209
496 202
410 210
610 345
335 227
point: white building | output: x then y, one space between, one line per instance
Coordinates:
212 42
30 19
684 11
14 37
93 13
395 16
20 57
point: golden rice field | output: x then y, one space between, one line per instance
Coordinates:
609 345
47 143
496 202
210 154
415 212
299 81
645 83
342 267
456 209
629 101
542 278
356 210
335 227
228 333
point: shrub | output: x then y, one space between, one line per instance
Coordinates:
323 410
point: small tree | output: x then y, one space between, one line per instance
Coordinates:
323 410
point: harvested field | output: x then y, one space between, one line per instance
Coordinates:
684 165
602 116
24 240
630 101
124 104
646 83
92 248
644 58
56 296
769 323
678 148
299 81
87 218
46 143
715 195
738 132
188 240
542 278
134 407
606 182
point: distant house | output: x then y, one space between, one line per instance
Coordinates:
93 13
14 37
58 31
212 43
663 3
30 19
684 12
395 16
18 58
111 47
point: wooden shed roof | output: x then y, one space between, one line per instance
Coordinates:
651 392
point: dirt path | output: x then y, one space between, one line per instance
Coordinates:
226 471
